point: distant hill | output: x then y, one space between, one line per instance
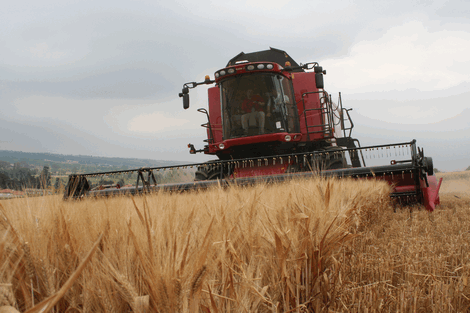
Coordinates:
41 159
38 170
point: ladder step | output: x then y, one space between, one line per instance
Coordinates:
323 110
318 125
320 131
326 129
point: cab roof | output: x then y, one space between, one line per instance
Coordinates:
273 55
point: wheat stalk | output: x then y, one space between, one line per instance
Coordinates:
305 245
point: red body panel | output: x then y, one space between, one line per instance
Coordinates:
431 193
304 83
215 116
267 170
406 183
399 182
243 141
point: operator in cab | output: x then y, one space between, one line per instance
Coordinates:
276 109
253 112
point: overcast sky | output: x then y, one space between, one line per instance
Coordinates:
102 77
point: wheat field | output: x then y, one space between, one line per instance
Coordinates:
304 246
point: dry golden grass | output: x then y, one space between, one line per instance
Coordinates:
304 246
266 248
457 183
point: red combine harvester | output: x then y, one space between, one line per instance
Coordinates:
270 119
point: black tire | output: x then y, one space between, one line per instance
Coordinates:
208 171
335 165
428 165
200 175
335 159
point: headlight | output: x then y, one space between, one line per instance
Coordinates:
221 146
250 67
222 72
260 66
269 66
216 75
287 138
231 71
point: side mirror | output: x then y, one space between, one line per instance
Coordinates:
185 95
319 80
318 69
185 101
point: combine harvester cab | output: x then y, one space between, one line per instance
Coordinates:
270 119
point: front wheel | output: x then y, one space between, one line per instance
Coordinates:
334 159
335 165
209 171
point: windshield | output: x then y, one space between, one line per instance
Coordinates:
257 104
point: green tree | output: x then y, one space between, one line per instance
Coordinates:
57 183
55 167
4 180
45 177
17 178
468 168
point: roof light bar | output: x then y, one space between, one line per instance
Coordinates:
250 67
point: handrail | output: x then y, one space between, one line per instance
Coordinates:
207 125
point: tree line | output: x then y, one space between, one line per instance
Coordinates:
19 177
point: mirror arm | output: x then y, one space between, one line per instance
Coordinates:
306 66
185 92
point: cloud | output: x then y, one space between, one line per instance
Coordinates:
412 111
42 51
406 56
136 83
407 62
447 141
156 122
